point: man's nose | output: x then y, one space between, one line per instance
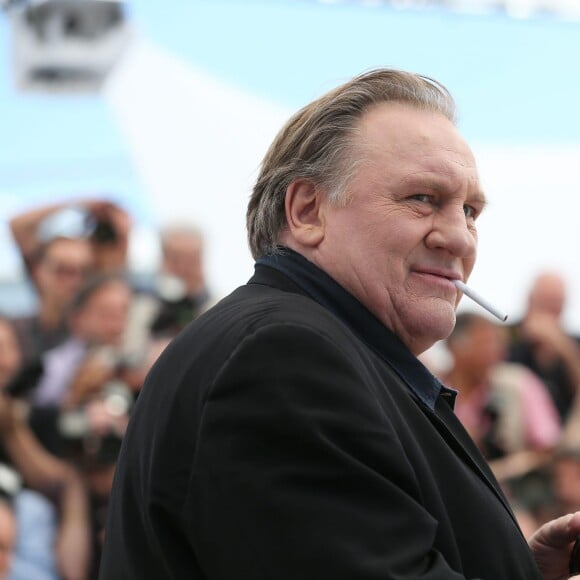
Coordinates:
451 232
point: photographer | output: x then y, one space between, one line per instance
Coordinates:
94 352
179 292
60 246
52 490
79 431
92 434
505 407
109 226
55 480
57 269
104 223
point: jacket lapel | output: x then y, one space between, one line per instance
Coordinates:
448 425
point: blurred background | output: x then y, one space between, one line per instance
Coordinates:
167 109
130 136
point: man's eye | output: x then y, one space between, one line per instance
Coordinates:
470 211
423 197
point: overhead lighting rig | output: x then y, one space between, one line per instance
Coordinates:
64 46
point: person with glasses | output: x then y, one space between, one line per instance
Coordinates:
58 270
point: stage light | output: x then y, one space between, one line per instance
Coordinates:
66 45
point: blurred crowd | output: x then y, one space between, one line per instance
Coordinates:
71 370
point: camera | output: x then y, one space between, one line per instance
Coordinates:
104 232
88 443
10 483
25 379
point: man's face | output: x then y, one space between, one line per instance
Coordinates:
63 268
408 228
182 257
103 319
548 296
483 346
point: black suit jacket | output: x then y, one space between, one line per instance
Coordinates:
270 441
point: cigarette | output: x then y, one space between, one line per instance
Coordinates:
481 301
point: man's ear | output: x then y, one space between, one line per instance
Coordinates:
305 212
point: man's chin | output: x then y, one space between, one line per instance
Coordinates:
435 323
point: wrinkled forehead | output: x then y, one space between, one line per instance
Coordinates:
416 143
405 124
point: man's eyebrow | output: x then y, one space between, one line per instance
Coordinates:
440 181
480 198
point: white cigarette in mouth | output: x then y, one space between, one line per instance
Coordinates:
481 301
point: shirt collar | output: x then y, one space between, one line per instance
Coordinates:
328 293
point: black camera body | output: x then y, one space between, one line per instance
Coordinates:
25 379
91 448
104 232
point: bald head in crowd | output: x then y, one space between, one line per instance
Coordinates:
548 294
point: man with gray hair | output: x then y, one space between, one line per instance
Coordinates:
181 286
291 432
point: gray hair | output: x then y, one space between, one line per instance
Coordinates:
316 144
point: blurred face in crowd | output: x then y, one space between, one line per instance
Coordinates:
548 295
7 538
182 258
10 354
481 346
62 270
408 225
103 318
